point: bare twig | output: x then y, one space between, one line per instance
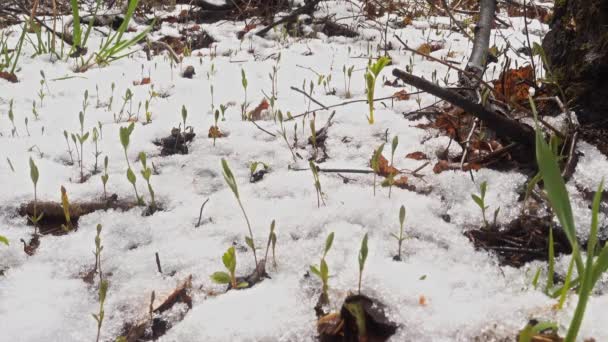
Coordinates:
200 215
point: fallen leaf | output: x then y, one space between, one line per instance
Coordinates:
144 81
441 166
417 156
384 168
422 300
256 114
9 76
214 132
401 95
512 83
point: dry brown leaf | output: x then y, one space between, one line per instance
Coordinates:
417 156
384 168
441 166
214 132
422 300
511 84
401 95
256 114
9 76
144 81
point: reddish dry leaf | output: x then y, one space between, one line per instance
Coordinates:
417 156
427 48
144 81
256 114
385 169
511 84
9 76
215 132
441 166
401 95
422 300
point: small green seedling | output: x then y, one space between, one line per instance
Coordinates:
67 142
82 138
11 116
231 181
283 133
125 136
371 76
95 138
103 291
391 177
229 260
362 258
146 172
244 105
317 183
272 241
97 252
34 176
348 74
375 163
4 240
323 270
481 203
400 238
65 204
105 177
184 116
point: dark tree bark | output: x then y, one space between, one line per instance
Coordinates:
577 50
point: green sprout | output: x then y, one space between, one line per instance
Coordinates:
3 240
348 74
65 204
105 177
272 240
283 133
391 177
11 116
229 260
362 258
103 291
323 270
82 138
375 163
95 138
125 134
371 76
481 203
67 142
146 172
400 238
97 252
317 183
244 104
34 176
184 116
231 181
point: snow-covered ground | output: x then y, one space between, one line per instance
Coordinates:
467 294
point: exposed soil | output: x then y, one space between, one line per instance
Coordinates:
177 142
54 217
523 240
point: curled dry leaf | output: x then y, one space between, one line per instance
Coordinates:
401 95
144 81
417 156
215 132
512 83
384 168
9 76
256 114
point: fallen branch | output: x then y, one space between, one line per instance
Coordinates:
504 127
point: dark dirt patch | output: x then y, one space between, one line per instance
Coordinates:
54 217
523 240
177 142
156 325
332 29
597 135
361 318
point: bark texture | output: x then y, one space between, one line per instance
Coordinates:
577 50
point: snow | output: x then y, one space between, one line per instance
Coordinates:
468 295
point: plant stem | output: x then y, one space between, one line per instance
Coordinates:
255 258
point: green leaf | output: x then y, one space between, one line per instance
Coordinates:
125 133
328 242
103 290
242 285
249 243
357 311
229 259
229 177
3 240
131 176
483 187
34 175
221 278
143 159
315 270
324 271
566 287
394 144
551 266
363 253
402 215
478 201
243 79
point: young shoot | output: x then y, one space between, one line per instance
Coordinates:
348 74
95 138
272 241
82 138
67 142
97 252
244 104
391 177
146 172
103 291
283 133
400 238
65 204
481 203
323 270
362 258
229 260
125 136
371 76
105 177
11 116
375 163
184 116
34 176
317 183
231 181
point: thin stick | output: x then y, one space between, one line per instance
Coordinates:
200 215
310 97
160 270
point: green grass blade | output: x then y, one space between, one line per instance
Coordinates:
77 35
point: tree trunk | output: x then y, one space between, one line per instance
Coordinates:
577 50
